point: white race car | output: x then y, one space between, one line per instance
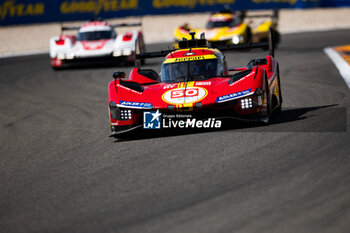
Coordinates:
95 42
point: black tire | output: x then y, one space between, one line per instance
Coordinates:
277 38
267 91
279 108
143 49
248 35
55 68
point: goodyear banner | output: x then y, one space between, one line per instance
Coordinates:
36 11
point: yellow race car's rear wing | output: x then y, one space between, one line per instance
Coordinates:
202 42
271 45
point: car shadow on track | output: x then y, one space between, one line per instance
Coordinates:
308 119
89 66
102 65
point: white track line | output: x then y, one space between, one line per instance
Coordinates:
340 63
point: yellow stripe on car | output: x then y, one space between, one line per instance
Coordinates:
264 27
191 58
186 84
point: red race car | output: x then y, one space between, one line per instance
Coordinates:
194 83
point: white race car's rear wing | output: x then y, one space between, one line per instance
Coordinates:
126 25
66 28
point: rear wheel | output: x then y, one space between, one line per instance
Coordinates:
268 102
277 38
142 50
267 114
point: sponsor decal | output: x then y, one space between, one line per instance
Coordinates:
97 7
129 89
135 104
291 2
184 95
151 120
233 96
190 4
194 58
155 120
12 9
203 83
30 11
93 45
170 86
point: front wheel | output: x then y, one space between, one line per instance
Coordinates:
248 35
266 116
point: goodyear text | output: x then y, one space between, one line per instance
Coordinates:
97 6
13 9
188 3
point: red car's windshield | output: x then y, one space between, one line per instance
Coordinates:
189 71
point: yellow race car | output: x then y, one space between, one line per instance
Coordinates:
229 27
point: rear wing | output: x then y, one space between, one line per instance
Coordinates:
264 45
67 28
126 25
141 56
270 45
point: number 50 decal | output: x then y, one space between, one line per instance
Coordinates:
188 92
184 95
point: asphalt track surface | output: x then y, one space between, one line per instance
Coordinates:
60 172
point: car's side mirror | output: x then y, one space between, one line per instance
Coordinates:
256 62
118 75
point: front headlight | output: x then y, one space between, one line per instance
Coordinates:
125 114
70 55
117 53
237 39
127 52
61 56
246 103
253 101
120 114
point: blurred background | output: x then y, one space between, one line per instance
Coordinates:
27 25
60 172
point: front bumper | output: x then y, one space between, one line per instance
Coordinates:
237 109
